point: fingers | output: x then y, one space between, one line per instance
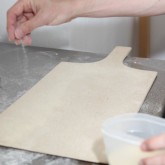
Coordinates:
157 160
154 143
27 27
12 15
27 40
20 13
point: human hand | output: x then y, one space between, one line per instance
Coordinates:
27 15
153 144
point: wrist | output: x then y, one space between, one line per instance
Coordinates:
83 7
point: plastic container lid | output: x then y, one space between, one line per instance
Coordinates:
133 127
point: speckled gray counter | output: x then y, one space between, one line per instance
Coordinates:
20 70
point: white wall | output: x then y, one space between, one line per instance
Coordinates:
84 34
158 37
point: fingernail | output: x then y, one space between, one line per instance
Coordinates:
18 33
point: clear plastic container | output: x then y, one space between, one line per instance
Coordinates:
124 134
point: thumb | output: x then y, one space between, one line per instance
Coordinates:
27 27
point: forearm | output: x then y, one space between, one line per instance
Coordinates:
110 8
27 15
